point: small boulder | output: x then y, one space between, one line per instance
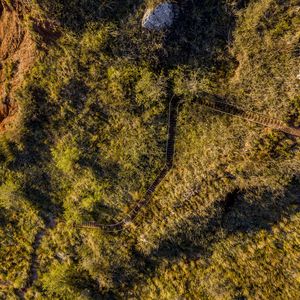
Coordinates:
161 17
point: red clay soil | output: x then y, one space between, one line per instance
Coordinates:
17 55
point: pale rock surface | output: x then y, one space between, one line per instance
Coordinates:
161 17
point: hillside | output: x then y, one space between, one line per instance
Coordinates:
140 163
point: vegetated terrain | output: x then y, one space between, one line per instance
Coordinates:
91 136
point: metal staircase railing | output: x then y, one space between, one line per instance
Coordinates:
118 226
212 103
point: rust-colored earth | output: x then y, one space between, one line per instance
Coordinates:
17 55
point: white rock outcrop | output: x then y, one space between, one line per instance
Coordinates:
161 17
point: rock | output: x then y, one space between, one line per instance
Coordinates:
161 17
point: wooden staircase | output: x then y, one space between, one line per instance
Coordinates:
210 102
170 150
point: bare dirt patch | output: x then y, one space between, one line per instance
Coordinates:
17 55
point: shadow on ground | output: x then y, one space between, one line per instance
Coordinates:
238 212
76 14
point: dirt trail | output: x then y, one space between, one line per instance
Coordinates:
33 270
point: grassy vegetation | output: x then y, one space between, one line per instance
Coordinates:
224 223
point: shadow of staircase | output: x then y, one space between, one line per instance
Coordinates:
170 150
211 102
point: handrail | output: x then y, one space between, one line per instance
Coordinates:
212 103
233 110
115 227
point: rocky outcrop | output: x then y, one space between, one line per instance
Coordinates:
161 17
